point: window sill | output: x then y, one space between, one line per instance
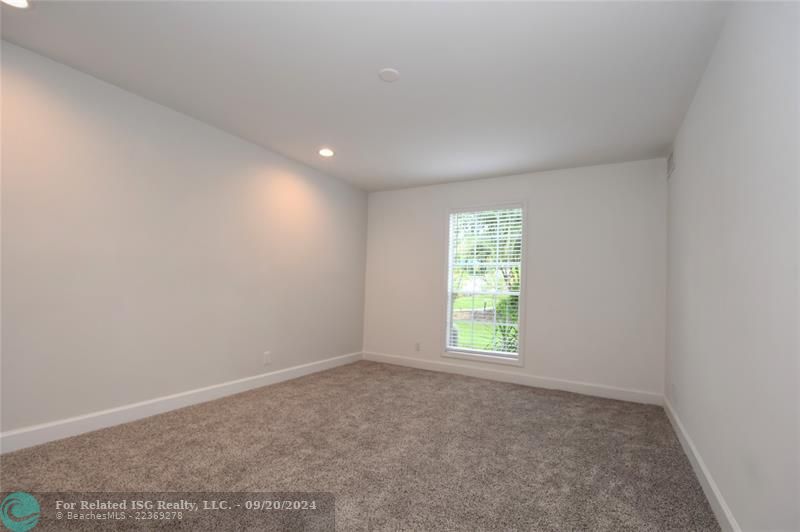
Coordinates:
483 357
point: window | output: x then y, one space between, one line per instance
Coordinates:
484 284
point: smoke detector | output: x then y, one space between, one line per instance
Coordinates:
389 75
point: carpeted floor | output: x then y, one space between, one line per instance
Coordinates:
401 449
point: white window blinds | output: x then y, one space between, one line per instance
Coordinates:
484 280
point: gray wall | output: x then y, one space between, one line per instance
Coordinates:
732 357
145 253
594 267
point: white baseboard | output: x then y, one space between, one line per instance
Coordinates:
516 377
63 428
721 510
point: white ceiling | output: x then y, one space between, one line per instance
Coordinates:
485 89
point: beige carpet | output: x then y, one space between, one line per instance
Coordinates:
401 449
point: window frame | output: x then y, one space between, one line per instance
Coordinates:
475 354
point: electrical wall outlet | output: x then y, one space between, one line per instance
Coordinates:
417 347
267 358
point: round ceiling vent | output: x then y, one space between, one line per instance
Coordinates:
389 75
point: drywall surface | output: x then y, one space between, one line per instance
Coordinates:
732 365
145 253
595 272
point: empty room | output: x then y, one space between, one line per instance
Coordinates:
430 266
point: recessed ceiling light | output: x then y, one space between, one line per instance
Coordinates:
326 152
389 75
22 4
